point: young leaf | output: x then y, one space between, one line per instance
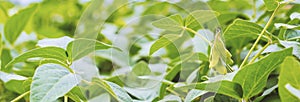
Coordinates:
289 74
243 32
114 89
162 42
253 77
271 4
50 82
45 52
84 46
171 23
141 69
15 25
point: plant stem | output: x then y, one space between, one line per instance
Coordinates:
254 9
260 35
263 49
65 98
196 33
20 97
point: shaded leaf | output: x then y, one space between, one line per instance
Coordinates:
77 95
289 75
193 94
253 77
50 82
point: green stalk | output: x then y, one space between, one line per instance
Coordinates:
263 49
20 97
65 98
260 35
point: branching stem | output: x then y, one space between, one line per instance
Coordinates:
259 37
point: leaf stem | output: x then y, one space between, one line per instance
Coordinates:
65 98
260 35
196 33
20 97
263 49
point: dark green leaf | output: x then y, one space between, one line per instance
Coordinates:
253 77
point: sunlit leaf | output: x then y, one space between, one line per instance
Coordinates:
271 4
15 25
45 52
253 77
50 82
171 23
289 75
162 42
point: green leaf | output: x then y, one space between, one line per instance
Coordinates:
141 69
171 23
83 47
193 94
293 91
50 82
5 77
271 4
115 90
15 24
253 77
45 52
162 42
243 32
224 87
289 74
196 19
76 95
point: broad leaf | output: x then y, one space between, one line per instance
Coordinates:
115 90
271 4
228 88
193 94
141 69
253 77
45 52
171 23
15 25
162 42
289 74
5 77
243 32
196 19
50 82
82 47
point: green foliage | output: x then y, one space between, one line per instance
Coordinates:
149 51
289 77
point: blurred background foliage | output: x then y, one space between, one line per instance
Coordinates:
59 18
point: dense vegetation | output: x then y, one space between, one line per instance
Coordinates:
150 50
